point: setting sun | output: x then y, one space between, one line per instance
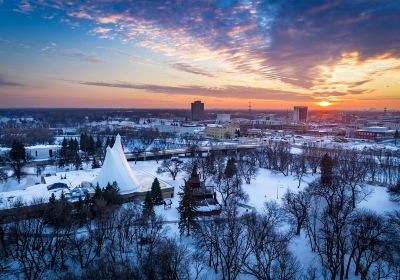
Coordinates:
324 103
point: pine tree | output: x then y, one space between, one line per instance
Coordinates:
17 158
91 146
230 169
148 206
98 193
52 199
111 195
77 161
87 198
99 145
396 136
156 193
82 212
63 153
83 142
187 210
95 163
115 186
62 196
107 143
326 170
112 141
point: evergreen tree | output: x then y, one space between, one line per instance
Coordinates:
115 186
52 199
111 195
77 161
79 204
91 146
396 136
17 158
326 170
112 141
99 145
82 211
83 143
156 193
148 206
210 165
230 169
95 163
87 198
62 196
59 211
63 153
187 210
75 146
98 193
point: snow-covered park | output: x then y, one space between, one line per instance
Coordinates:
266 186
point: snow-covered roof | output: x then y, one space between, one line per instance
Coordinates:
116 169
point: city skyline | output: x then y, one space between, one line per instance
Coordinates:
146 54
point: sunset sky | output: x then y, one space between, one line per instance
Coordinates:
165 54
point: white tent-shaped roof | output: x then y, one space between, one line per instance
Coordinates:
116 169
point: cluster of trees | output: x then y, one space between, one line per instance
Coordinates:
152 198
251 244
109 142
16 158
69 153
89 146
347 239
28 135
73 152
99 236
93 240
353 167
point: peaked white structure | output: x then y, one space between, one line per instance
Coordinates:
116 169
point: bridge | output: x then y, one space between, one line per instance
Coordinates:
130 156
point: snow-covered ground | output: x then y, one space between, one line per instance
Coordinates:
267 186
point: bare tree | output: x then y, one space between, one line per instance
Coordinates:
247 166
367 242
313 157
393 259
350 169
269 257
38 249
231 243
299 167
296 206
329 226
173 167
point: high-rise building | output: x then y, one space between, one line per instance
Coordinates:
197 111
300 114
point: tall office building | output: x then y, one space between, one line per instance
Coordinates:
300 114
197 111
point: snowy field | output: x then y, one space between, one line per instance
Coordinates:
267 186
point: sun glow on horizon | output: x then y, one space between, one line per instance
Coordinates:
324 103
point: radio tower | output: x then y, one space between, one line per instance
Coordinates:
249 108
